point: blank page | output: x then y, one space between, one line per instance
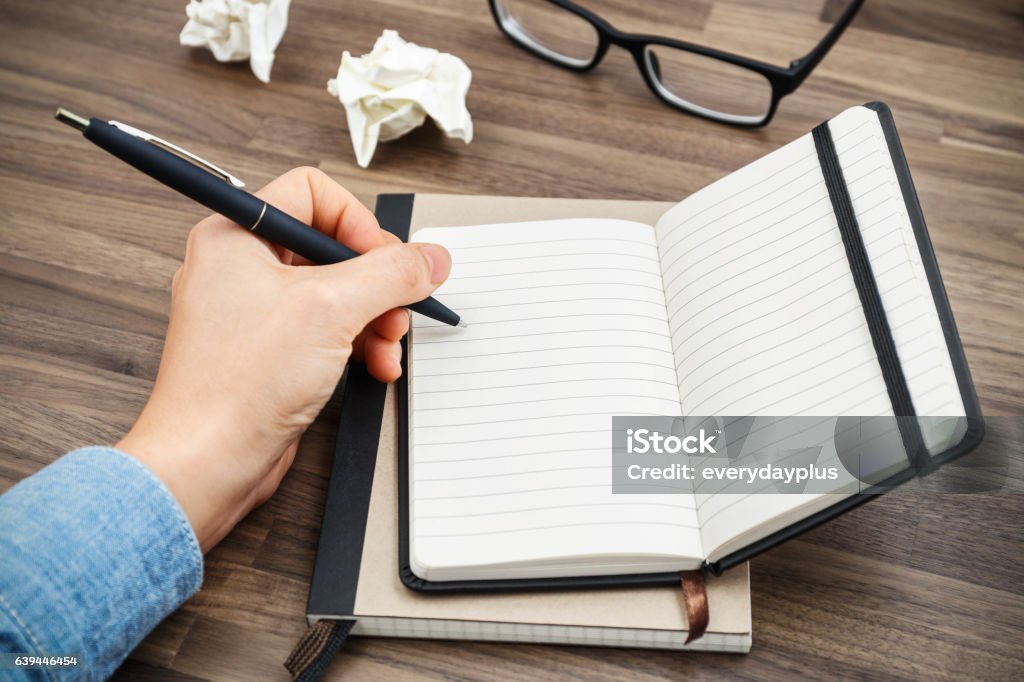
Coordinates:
764 315
510 446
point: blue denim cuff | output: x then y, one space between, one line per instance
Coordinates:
94 552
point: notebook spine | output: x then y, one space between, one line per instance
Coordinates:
332 590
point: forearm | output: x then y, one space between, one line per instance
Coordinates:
94 553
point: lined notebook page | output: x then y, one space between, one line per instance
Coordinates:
510 444
764 315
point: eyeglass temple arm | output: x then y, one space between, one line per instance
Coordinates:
803 66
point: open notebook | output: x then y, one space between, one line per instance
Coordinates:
739 300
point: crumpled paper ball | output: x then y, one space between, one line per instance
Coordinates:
234 30
392 90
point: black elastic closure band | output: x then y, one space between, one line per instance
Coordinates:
870 299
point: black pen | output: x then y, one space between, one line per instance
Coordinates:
222 193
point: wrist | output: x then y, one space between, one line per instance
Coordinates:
186 465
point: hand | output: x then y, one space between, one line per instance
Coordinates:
257 343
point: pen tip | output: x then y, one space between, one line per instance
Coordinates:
462 323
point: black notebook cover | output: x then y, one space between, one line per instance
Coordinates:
337 565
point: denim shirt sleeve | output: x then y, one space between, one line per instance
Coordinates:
94 552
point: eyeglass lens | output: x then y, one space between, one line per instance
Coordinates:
550 30
705 85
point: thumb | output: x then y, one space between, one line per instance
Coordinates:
388 277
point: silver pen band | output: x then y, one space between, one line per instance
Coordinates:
255 224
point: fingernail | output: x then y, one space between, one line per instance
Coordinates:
396 357
440 262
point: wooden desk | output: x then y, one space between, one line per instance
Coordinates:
88 246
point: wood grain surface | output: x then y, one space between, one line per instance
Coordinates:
910 587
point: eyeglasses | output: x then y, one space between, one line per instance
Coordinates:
699 80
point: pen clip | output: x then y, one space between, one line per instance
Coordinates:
179 152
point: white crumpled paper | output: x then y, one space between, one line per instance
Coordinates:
393 89
238 29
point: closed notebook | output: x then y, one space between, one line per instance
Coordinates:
742 299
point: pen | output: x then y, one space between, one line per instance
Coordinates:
222 193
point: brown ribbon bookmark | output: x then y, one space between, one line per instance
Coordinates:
695 595
314 652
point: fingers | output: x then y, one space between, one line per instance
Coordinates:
379 345
384 278
382 350
392 325
309 195
383 358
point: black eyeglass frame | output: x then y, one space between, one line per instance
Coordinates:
783 80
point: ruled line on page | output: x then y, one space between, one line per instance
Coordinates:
559 255
478 292
477 458
588 240
544 383
602 330
473 441
548 350
551 270
504 512
499 306
505 474
560 364
538 400
604 486
527 529
508 474
538 418
506 320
